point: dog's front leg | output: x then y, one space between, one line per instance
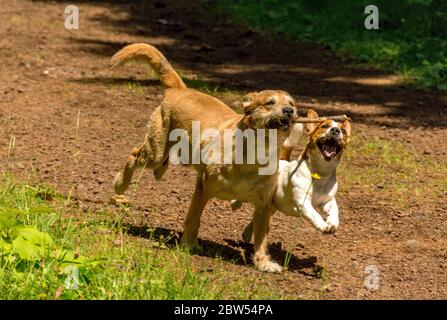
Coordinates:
248 232
192 222
331 209
261 225
312 215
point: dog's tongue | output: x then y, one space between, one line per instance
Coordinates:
329 151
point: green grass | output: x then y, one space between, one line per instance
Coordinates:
393 171
111 263
213 89
202 85
208 87
133 86
43 233
411 41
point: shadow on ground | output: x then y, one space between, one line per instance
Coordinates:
236 252
239 58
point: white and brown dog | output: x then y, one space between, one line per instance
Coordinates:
307 187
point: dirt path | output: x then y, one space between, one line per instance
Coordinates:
73 121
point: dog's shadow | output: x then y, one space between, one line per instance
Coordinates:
237 252
131 82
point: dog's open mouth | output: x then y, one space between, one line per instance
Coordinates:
278 123
329 147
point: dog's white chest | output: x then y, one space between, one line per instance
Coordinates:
296 186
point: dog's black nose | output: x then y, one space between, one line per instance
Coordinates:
335 131
288 111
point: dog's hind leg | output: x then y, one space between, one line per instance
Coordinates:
161 170
122 179
154 150
152 154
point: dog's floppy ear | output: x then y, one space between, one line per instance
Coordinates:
310 127
247 102
243 105
347 127
237 106
292 101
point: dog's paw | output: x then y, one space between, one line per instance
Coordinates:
331 225
330 230
118 184
161 170
321 226
269 266
264 264
191 245
119 200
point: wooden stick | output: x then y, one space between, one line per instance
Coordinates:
320 119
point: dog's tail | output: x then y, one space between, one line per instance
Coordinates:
152 56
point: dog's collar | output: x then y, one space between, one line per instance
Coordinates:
315 176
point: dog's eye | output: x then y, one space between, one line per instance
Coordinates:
325 126
343 130
270 102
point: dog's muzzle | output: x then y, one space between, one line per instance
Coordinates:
329 147
281 122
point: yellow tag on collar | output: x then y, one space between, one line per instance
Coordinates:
316 176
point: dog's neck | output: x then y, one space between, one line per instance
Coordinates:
244 124
317 165
266 149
